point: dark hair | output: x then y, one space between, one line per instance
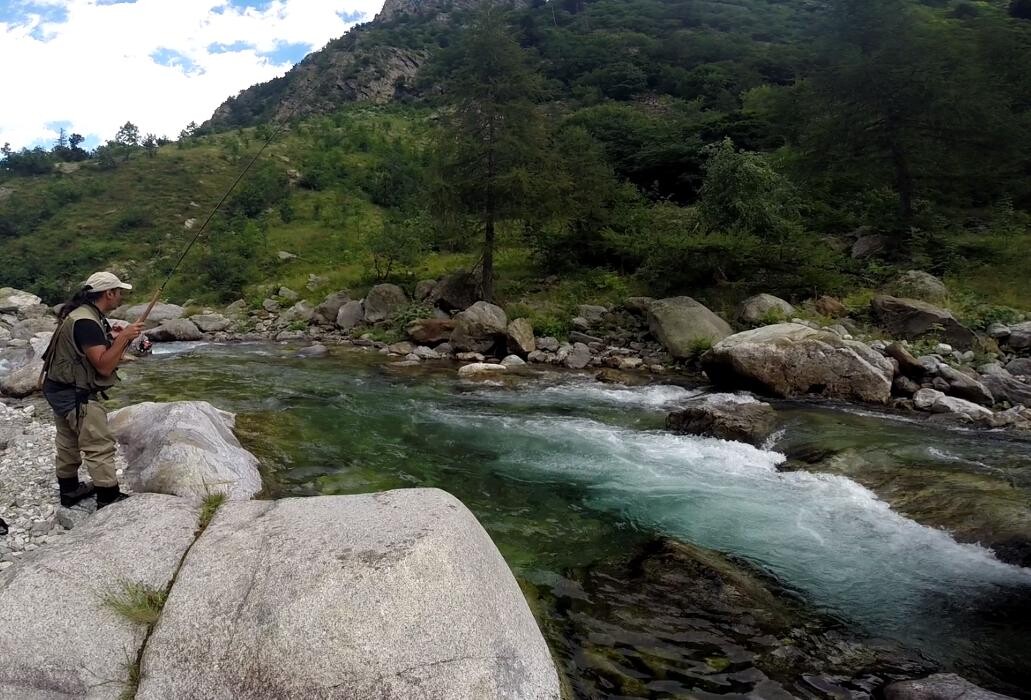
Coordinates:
80 298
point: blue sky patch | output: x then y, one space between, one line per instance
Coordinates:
23 12
355 16
287 53
259 5
171 57
230 48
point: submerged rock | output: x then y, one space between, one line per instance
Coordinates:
940 686
789 359
725 416
184 448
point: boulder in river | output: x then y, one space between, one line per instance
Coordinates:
726 416
301 312
383 301
964 386
211 323
389 595
479 369
940 686
789 359
1005 387
683 326
184 448
913 319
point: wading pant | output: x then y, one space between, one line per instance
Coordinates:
86 438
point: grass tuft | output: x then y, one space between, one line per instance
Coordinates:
209 506
137 602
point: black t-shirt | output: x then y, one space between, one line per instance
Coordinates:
89 334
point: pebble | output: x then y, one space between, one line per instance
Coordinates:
28 486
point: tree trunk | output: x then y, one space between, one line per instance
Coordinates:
903 182
487 272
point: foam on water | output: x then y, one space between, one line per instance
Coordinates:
823 534
177 347
579 391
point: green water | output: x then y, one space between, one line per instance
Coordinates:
573 479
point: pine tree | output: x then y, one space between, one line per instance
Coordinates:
493 141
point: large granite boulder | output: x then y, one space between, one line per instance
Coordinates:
1020 366
430 331
158 315
390 595
789 359
1020 336
326 312
915 284
965 386
682 324
456 292
178 329
382 301
726 416
301 312
17 302
940 686
59 639
763 308
479 328
913 319
184 448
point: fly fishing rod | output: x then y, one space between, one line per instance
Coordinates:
211 215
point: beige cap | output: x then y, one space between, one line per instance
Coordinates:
103 281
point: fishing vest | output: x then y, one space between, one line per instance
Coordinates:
66 363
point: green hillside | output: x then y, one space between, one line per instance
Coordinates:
709 148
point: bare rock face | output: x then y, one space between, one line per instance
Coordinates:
390 595
789 359
725 416
913 319
681 323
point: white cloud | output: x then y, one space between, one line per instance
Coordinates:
94 69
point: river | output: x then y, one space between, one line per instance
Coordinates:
573 479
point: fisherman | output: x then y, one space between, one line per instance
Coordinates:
79 365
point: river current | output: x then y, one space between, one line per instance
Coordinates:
885 533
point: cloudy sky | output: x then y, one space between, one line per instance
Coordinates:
91 65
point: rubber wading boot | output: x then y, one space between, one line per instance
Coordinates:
73 491
106 495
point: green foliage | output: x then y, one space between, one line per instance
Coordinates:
396 246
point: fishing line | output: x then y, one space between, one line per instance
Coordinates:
211 215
